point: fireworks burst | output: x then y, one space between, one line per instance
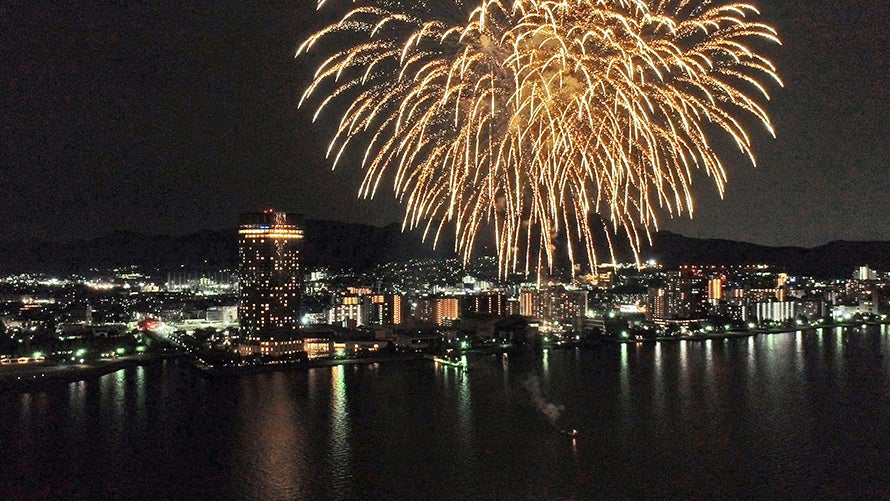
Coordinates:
530 117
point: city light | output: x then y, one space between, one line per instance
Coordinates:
552 270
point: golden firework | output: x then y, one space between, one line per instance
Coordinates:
532 116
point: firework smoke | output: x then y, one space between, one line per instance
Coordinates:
549 410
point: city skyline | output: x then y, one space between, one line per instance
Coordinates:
224 362
194 305
170 118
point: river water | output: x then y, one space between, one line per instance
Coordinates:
796 415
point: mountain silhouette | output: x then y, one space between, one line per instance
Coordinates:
339 245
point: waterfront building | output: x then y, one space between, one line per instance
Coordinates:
269 273
318 347
777 311
357 347
287 345
280 346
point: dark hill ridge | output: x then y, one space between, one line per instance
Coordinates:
328 243
835 259
348 245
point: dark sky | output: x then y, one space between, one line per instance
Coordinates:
170 117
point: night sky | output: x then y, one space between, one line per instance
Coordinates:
171 117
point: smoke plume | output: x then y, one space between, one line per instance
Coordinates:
549 410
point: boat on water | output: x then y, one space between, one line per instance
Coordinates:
569 432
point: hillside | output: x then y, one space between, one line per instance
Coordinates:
347 245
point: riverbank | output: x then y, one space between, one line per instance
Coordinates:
34 377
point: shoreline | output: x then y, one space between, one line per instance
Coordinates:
756 332
705 337
212 371
39 376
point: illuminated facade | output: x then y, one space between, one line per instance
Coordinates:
553 303
782 287
715 290
269 273
351 311
657 304
439 310
513 306
278 347
865 273
318 347
355 348
775 311
386 309
687 294
491 303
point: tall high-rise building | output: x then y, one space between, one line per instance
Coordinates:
438 310
491 303
553 303
657 303
687 293
386 309
715 290
269 272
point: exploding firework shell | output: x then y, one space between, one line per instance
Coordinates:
534 117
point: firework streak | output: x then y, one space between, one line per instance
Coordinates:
531 117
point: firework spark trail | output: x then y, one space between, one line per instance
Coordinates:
533 116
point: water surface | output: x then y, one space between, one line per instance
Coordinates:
795 415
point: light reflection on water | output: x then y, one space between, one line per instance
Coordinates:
753 417
140 390
340 439
658 379
465 410
708 359
545 364
624 396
